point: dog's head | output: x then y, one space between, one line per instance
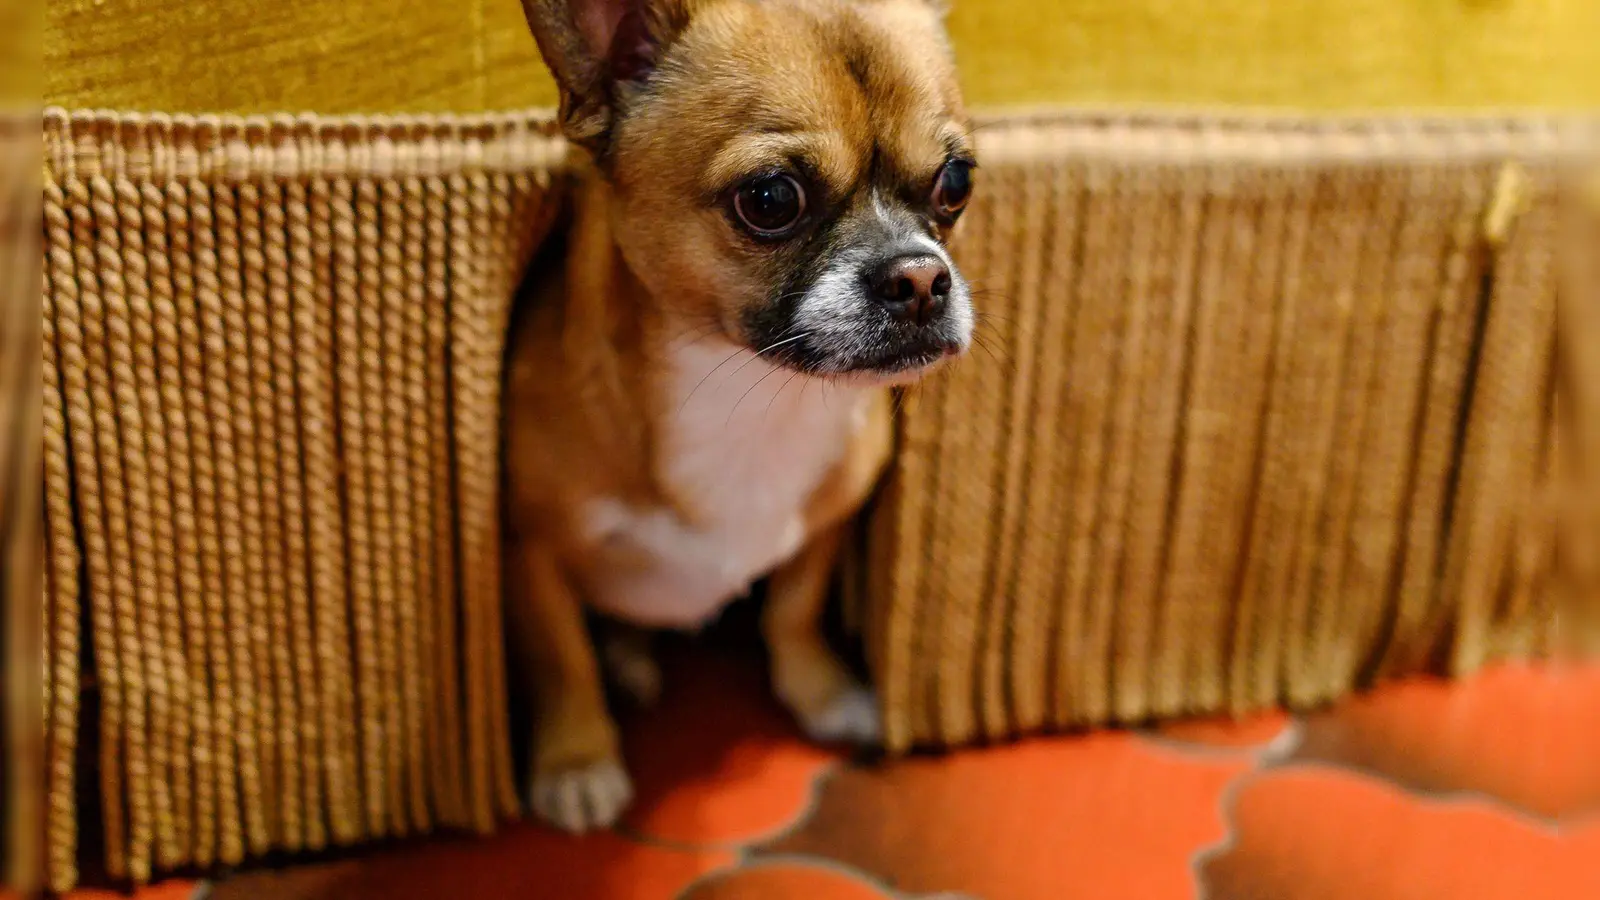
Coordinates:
785 172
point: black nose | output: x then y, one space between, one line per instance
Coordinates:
914 288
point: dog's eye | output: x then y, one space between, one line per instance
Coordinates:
952 189
769 206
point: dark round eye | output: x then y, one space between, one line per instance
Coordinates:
769 206
952 189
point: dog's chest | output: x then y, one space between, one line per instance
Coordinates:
744 445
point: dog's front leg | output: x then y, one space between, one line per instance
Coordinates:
818 688
821 692
577 781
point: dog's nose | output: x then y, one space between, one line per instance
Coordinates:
914 288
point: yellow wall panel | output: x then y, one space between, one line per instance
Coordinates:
1347 55
327 56
424 55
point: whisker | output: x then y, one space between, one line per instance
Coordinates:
773 346
792 376
985 331
987 313
747 393
983 290
982 344
703 378
991 314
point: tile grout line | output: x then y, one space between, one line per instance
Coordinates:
1266 759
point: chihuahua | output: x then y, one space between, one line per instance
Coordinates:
699 396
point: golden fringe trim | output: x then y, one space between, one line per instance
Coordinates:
1261 410
272 365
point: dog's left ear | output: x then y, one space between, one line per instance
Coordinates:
595 47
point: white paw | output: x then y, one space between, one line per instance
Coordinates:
850 717
580 800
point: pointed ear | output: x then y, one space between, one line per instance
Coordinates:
592 46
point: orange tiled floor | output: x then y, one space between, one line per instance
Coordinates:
1420 791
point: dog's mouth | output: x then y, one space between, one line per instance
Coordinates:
910 361
853 356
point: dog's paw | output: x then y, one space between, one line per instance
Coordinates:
849 716
578 800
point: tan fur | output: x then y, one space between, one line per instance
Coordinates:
653 263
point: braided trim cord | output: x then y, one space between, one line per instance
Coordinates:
195 506
321 406
185 666
449 796
406 799
407 202
232 715
117 423
246 614
299 733
146 460
358 496
63 360
267 615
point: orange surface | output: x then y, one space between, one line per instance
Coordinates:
1481 790
1375 843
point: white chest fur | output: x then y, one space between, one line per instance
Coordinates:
745 444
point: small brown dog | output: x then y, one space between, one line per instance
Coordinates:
699 398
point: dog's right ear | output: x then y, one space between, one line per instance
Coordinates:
595 46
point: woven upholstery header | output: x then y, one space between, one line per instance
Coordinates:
1260 411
